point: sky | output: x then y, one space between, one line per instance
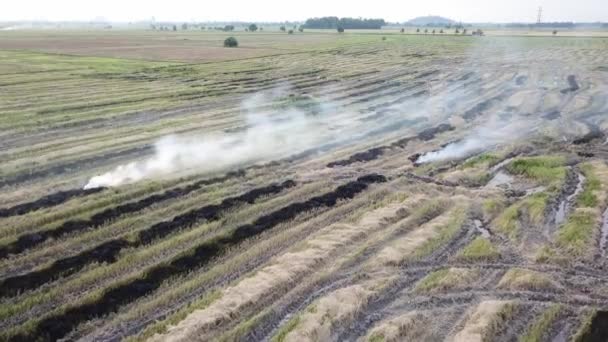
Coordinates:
299 10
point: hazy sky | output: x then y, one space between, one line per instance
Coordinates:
280 10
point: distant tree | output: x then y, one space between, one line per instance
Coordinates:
246 29
290 31
464 31
383 38
433 31
457 31
152 26
253 27
301 28
441 31
426 31
402 30
203 28
282 28
174 27
417 30
340 29
261 29
184 26
228 28
231 42
346 23
554 32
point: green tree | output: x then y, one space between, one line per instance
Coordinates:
282 28
184 26
301 28
340 29
174 27
402 30
231 42
253 27
290 31
417 30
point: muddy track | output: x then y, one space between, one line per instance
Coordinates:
47 201
57 326
351 271
108 251
30 240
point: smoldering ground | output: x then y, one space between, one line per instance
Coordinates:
268 134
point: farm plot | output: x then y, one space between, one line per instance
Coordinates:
324 187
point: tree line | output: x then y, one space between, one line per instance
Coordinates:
344 23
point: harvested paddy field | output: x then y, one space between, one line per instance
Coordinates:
307 187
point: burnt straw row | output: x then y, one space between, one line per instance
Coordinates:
376 152
48 201
30 240
108 251
59 325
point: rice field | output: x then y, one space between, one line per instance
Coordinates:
318 187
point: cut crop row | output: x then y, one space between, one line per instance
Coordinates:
31 240
109 250
58 325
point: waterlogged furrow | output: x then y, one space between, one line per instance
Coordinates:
109 250
30 240
58 325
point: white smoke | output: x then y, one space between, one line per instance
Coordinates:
266 137
481 139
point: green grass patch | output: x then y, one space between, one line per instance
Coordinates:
286 329
547 170
485 158
576 235
584 328
431 281
479 249
541 325
445 279
523 279
508 223
587 197
446 233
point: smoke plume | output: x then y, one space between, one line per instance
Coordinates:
265 137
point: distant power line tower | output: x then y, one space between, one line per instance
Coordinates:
539 16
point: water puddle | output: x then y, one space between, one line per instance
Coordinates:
562 209
480 228
501 178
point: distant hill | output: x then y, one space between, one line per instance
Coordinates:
430 20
